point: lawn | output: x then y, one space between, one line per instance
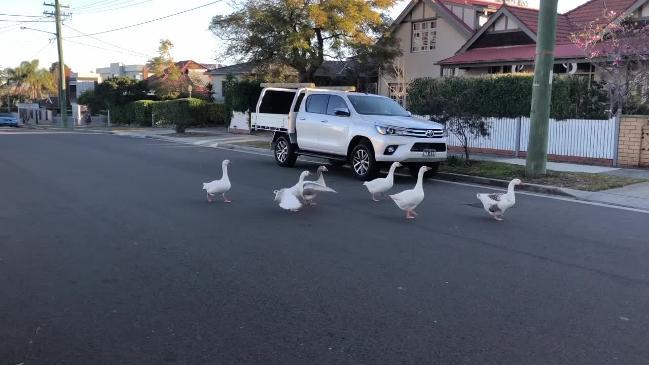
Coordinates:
573 180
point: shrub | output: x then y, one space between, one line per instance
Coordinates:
184 113
218 114
241 95
508 96
141 112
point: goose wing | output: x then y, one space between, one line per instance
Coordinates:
311 187
288 201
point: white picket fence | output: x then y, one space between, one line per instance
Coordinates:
571 137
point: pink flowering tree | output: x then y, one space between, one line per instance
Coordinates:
619 50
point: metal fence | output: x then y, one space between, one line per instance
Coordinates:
571 137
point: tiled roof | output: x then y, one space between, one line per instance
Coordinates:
494 3
238 69
530 18
510 54
595 9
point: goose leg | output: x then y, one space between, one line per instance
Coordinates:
209 198
374 197
225 199
498 217
409 214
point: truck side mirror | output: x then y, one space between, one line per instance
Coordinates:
342 113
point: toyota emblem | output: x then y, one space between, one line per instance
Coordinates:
430 133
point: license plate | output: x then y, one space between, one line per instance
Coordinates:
429 153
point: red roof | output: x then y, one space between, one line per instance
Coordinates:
493 3
510 54
595 9
530 17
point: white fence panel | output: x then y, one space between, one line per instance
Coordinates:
573 137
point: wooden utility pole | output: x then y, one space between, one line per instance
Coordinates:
537 148
63 103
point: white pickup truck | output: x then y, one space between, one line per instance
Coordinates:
367 131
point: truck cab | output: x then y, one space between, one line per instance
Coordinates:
367 131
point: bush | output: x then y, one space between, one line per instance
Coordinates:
184 113
218 114
241 95
141 112
508 96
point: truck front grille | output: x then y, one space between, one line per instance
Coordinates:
424 133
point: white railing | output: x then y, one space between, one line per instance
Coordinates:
570 137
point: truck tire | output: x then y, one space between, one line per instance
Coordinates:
364 166
284 152
413 168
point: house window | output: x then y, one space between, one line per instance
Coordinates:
446 71
397 92
424 35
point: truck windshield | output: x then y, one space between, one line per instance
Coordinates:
372 105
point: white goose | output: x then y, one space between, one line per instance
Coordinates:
220 186
382 184
497 203
408 200
292 198
310 196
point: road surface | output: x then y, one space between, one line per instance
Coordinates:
109 254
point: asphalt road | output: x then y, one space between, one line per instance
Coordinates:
109 254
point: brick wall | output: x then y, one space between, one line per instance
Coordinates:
633 147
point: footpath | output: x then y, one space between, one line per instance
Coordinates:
632 196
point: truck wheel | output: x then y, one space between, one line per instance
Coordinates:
362 161
413 168
284 152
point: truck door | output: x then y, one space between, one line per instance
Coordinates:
311 123
336 129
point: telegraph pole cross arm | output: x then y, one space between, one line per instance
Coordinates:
537 148
63 103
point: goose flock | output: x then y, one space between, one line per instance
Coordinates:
304 192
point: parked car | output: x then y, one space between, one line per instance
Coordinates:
367 131
8 121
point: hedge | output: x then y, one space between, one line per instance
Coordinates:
141 110
508 96
183 113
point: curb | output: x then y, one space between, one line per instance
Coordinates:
534 188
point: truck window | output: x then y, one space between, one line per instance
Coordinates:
317 103
276 102
336 103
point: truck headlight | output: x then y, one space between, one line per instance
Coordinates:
384 129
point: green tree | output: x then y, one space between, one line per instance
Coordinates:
169 81
113 93
302 33
29 80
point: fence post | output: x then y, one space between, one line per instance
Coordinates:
517 142
616 141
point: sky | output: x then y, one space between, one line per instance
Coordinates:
188 32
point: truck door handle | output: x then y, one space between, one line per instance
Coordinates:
323 121
301 118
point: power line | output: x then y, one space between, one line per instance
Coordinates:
104 42
22 16
149 21
99 47
93 11
25 21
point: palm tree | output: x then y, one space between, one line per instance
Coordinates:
29 80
